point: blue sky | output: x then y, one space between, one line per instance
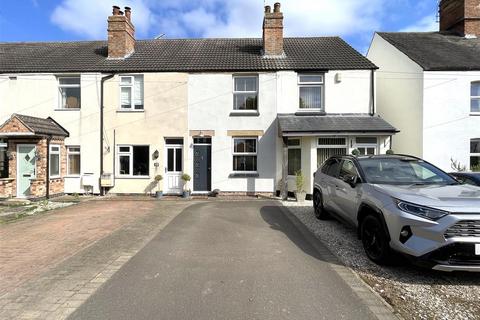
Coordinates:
354 20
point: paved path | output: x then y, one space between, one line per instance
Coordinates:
226 260
94 240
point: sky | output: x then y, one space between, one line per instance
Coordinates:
353 20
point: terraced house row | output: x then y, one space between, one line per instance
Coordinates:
239 115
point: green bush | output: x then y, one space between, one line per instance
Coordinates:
475 168
355 152
390 151
158 178
299 181
186 177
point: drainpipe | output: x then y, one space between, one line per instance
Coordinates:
372 84
105 78
47 180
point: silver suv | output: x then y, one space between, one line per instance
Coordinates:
403 204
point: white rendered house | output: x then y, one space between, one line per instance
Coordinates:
428 86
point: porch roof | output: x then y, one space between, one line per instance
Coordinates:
26 126
298 125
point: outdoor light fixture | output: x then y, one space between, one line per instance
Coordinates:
37 155
156 154
10 155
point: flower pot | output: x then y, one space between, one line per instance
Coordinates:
159 194
186 194
300 196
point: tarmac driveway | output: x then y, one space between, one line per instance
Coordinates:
226 260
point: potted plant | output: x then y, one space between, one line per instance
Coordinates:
300 193
159 192
355 152
390 151
186 191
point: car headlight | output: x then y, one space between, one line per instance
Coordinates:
421 211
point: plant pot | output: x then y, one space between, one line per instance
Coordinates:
186 194
159 194
300 196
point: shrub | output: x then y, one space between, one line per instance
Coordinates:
299 181
186 177
355 152
158 178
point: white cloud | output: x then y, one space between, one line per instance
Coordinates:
355 19
428 23
89 17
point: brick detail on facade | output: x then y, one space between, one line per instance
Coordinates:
8 187
460 16
273 31
14 125
121 34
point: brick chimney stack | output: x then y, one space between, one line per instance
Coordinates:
460 16
121 34
273 31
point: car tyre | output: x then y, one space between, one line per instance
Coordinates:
320 212
375 240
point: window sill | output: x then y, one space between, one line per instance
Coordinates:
7 179
244 114
244 175
475 114
73 176
67 109
310 112
130 111
55 178
133 177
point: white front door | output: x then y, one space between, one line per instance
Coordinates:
173 167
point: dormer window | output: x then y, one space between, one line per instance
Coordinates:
69 92
245 93
475 97
311 91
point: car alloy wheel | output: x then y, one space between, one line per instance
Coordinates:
374 240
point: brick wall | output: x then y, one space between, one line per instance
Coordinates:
8 187
461 16
13 125
273 32
121 36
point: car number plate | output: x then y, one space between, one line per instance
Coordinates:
477 249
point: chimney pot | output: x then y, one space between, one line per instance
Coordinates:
116 10
120 12
276 7
268 9
128 13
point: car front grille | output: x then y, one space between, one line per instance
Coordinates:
466 228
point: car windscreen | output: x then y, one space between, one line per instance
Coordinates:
400 171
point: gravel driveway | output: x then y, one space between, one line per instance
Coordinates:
414 293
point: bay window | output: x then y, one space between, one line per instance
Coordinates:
245 93
131 92
244 154
69 92
311 91
133 161
54 161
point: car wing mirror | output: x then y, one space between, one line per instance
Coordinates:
351 180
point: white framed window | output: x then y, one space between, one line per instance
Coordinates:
73 160
3 159
245 93
475 154
69 92
311 92
475 97
368 146
133 160
294 156
244 154
54 161
131 92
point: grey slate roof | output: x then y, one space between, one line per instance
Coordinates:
41 126
320 53
437 51
336 123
